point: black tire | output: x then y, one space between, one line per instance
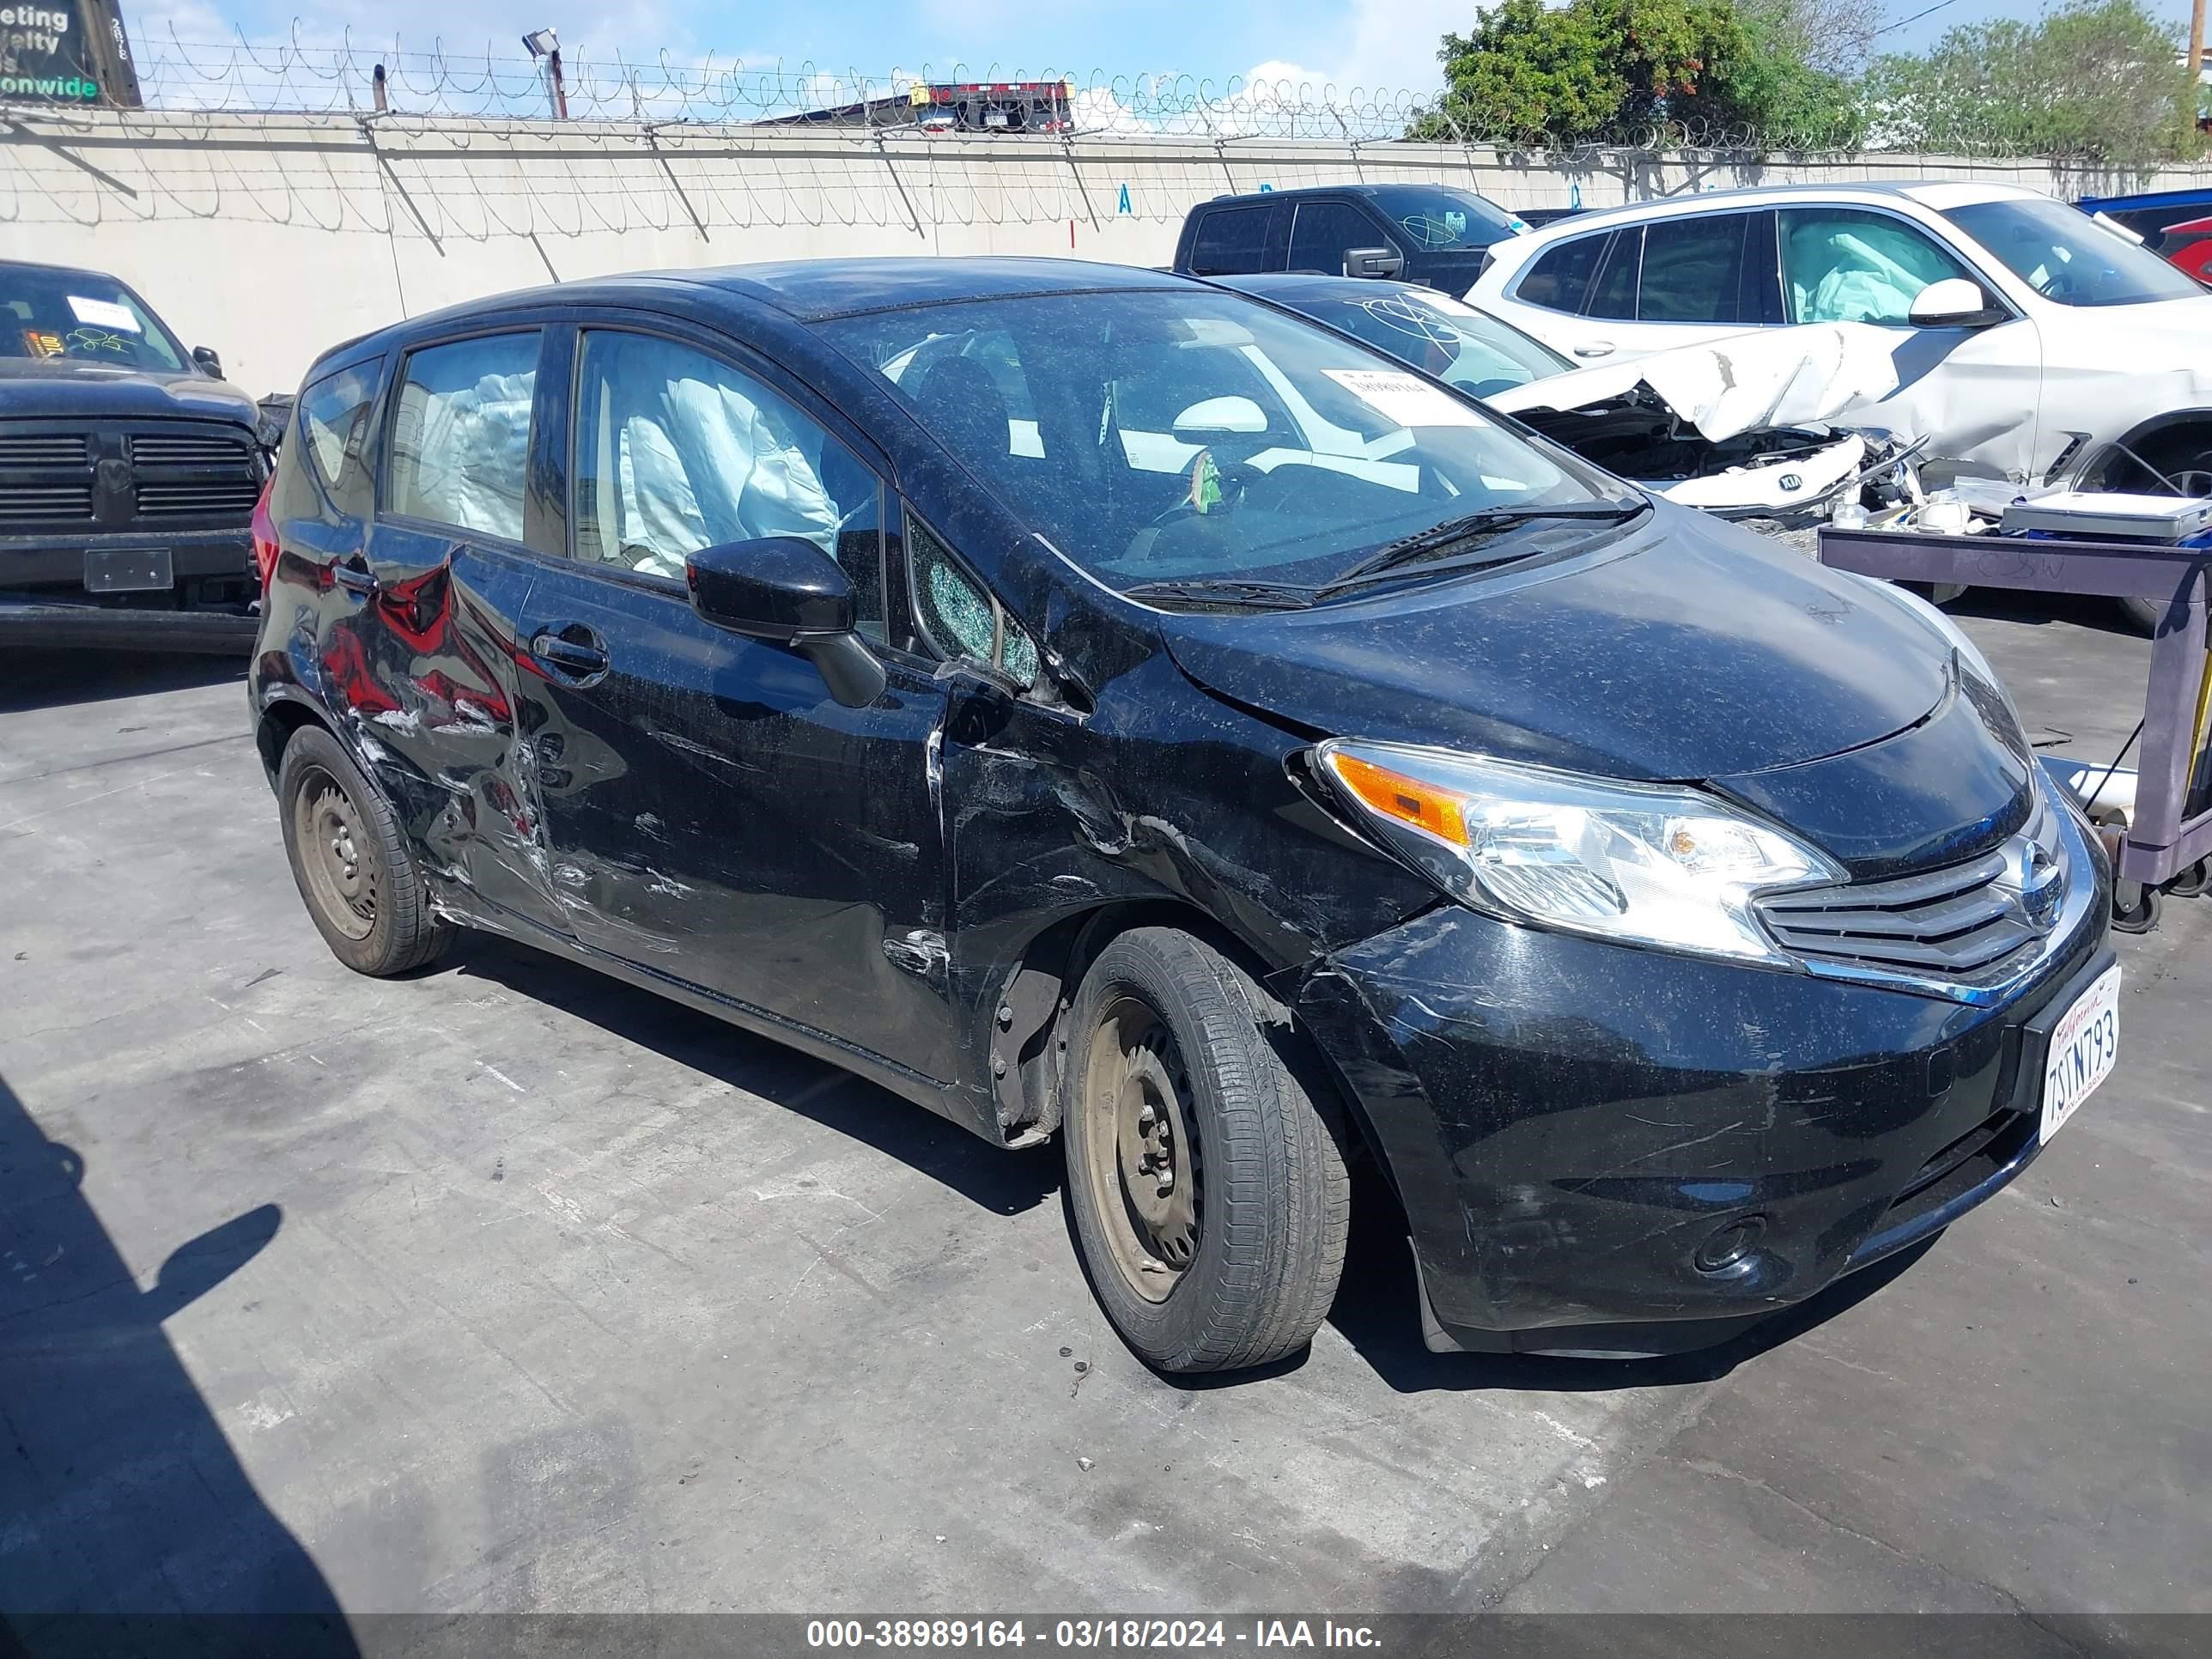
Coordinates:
350 861
1163 1018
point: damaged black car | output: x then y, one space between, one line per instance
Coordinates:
1092 704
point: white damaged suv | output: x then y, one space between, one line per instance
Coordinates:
2033 344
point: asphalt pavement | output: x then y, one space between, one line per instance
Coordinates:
509 1287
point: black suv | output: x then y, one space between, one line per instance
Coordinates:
129 471
1437 235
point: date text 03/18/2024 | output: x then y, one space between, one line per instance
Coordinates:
1087 1634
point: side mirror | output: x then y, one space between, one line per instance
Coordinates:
1223 415
787 590
1373 262
1954 302
206 357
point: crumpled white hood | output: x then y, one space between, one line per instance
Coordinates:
1743 383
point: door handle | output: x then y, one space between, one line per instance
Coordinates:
1594 348
355 580
578 658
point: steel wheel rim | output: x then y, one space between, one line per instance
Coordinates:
342 877
1142 1152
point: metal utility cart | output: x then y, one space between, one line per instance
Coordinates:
2168 840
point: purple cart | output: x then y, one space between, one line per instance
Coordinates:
2170 838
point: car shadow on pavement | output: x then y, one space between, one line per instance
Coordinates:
55 679
1377 1310
1005 1183
121 1503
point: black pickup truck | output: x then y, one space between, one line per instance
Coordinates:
129 473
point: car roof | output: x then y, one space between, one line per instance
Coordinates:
813 290
1356 189
1264 284
1932 193
60 271
2149 199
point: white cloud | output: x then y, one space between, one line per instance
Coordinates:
1386 47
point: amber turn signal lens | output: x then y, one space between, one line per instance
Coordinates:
1409 800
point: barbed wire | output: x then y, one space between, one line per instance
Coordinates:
293 75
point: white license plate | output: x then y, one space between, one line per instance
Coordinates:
2084 1047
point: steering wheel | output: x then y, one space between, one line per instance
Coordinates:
1235 478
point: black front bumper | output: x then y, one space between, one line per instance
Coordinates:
1601 1149
43 602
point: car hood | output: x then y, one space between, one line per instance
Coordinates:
1745 382
54 389
1689 649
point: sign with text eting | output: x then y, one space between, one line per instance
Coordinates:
65 52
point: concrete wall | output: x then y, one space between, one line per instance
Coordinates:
271 237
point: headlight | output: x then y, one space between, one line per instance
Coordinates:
1644 864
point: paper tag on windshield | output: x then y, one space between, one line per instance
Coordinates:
1404 399
103 313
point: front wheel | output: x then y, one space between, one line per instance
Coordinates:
1205 1160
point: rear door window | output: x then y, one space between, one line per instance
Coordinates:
1559 280
461 434
1324 231
1692 270
1614 293
1230 241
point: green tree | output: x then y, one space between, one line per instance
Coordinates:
2095 81
1614 70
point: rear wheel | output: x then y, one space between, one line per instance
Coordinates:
350 862
1205 1163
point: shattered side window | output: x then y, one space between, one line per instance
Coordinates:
959 617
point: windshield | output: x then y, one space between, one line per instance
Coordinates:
1435 333
2065 255
83 317
1438 217
1173 435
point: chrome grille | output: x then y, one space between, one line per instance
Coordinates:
42 449
45 503
1966 923
186 449
159 500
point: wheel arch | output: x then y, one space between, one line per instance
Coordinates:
278 722
1027 1016
2147 432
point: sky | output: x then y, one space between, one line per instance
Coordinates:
1386 44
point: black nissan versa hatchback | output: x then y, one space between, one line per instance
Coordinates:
1086 702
